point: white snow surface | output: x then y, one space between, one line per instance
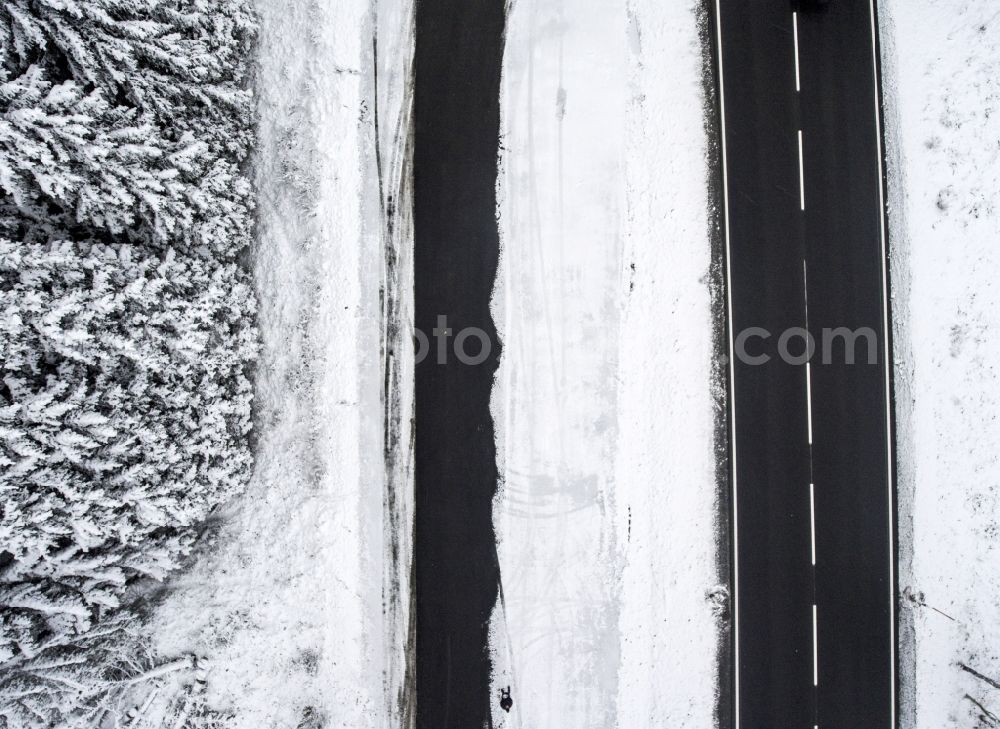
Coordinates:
286 608
942 89
604 401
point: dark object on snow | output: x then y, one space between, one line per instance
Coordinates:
506 702
806 5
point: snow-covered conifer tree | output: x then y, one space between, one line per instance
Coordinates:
126 326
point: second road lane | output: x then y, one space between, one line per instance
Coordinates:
813 499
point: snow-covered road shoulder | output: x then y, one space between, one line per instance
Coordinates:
941 87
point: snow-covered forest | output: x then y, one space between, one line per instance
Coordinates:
127 328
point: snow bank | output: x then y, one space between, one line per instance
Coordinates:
667 500
942 86
603 402
287 607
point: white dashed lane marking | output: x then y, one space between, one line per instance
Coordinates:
795 35
802 177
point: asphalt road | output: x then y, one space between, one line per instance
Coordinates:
813 497
459 48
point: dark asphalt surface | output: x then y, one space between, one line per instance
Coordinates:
837 236
850 444
459 48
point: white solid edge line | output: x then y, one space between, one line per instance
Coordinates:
812 521
887 364
795 35
802 178
809 401
815 649
732 374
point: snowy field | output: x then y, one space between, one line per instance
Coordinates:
942 88
604 409
297 608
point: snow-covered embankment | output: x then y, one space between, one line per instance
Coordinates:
941 71
287 609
